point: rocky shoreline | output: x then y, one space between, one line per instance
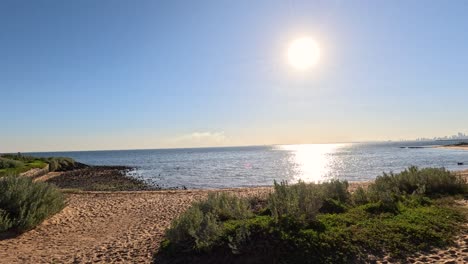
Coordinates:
99 178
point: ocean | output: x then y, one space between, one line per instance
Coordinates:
225 167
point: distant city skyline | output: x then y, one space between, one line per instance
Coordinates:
459 135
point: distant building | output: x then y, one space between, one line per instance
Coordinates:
458 136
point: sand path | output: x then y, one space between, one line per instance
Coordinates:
102 227
48 176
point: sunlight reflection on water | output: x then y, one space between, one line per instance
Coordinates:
226 167
312 162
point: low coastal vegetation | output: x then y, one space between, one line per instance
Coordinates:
9 165
18 163
397 215
25 203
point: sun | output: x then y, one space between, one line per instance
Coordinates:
303 53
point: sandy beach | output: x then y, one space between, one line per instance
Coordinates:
127 227
106 227
454 147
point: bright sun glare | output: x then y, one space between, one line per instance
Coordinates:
303 53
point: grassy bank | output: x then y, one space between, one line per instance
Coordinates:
75 175
18 163
12 165
397 215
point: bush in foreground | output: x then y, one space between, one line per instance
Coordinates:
24 203
300 201
201 225
321 223
428 181
303 201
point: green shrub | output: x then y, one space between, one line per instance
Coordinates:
200 226
259 205
250 236
239 239
226 206
399 215
360 196
427 181
411 230
9 163
413 201
55 163
194 230
300 201
332 206
60 163
19 157
26 203
5 221
380 207
337 190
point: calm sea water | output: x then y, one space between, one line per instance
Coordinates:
261 165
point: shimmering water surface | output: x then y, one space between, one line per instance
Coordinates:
260 165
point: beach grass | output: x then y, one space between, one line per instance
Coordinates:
9 166
398 215
25 203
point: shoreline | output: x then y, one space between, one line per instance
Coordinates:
352 187
113 179
51 177
453 147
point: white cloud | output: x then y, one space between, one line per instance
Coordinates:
197 139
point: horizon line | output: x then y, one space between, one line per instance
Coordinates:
227 146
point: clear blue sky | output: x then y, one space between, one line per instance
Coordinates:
147 74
